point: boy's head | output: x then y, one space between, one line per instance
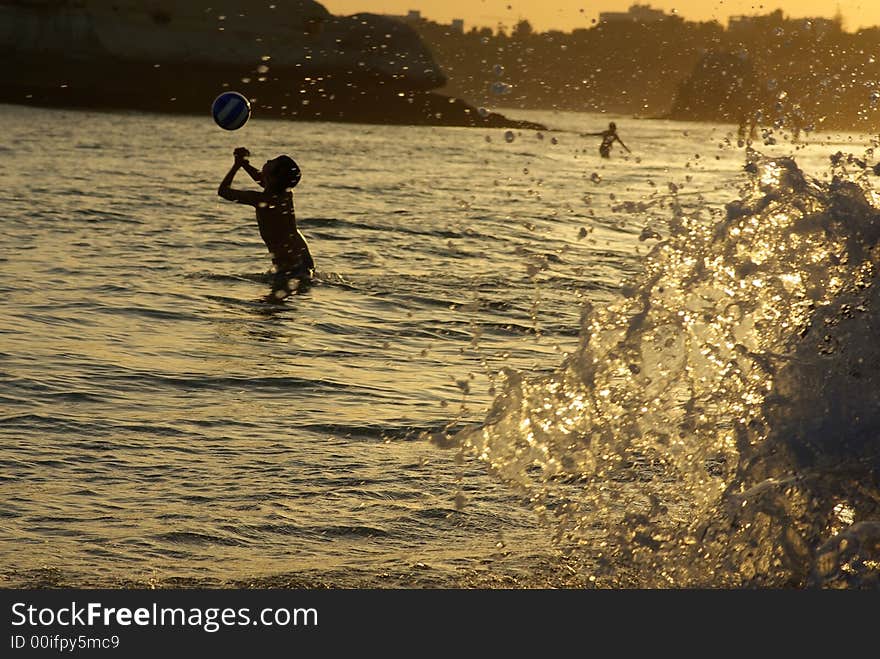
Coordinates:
281 173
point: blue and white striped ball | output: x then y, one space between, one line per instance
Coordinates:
231 110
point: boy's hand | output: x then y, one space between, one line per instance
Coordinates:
241 155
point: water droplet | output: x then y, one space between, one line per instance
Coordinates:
500 88
595 178
509 136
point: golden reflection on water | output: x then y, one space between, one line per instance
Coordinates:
670 397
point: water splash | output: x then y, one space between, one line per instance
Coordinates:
719 426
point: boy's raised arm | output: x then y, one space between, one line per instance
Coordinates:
241 155
226 191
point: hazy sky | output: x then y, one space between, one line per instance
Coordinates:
568 14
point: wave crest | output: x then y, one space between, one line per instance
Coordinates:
719 425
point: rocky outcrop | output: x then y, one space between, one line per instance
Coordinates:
293 59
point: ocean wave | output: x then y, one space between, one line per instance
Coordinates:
743 366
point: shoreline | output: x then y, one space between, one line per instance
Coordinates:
490 572
471 118
288 94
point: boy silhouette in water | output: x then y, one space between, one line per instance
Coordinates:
275 216
608 138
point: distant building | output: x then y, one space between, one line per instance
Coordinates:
740 23
412 16
415 16
818 27
635 14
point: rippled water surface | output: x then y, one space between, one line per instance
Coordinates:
165 420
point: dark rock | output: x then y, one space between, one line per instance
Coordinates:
298 63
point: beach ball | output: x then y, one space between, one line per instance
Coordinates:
231 110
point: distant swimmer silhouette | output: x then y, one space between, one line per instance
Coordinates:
275 216
608 136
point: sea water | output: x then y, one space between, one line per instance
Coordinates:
519 365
